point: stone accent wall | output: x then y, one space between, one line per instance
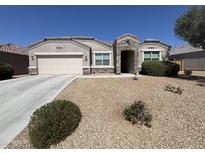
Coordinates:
86 71
125 44
102 70
33 71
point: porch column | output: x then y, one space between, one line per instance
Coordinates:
118 61
136 60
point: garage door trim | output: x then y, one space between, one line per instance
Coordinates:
67 63
57 53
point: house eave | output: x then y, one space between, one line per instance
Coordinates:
57 53
155 41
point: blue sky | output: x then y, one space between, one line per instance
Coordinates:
27 24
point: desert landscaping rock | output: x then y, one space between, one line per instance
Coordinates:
178 120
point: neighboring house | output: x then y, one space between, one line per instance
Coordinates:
87 55
16 56
190 58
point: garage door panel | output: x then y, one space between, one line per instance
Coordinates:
60 64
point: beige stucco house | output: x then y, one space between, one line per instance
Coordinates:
87 55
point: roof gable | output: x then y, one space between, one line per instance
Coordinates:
127 36
45 40
96 45
154 41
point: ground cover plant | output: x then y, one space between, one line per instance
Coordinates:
137 113
173 89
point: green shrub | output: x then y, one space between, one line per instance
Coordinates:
153 68
173 89
172 69
6 71
53 122
159 68
138 113
187 72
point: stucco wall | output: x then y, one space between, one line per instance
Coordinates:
19 62
195 64
198 54
50 46
96 46
123 43
192 61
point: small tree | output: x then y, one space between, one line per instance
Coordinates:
191 26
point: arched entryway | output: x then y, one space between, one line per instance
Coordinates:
127 61
126 53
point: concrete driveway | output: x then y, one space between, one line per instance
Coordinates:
19 98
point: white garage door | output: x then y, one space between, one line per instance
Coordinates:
57 64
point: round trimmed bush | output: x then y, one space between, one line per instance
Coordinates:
53 122
159 68
172 69
153 68
6 71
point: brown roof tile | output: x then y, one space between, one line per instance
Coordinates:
13 48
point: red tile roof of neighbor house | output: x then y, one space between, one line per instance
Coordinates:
13 48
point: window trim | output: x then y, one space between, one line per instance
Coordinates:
152 50
94 60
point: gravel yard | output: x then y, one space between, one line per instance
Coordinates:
178 120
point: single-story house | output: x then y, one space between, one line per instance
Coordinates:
189 57
16 56
87 55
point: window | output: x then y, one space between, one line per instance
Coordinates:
102 59
147 56
155 55
151 55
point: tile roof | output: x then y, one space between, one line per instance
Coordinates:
155 41
13 48
71 37
77 39
181 49
95 45
108 42
91 42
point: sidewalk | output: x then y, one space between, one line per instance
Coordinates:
109 75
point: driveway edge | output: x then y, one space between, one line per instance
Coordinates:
62 88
